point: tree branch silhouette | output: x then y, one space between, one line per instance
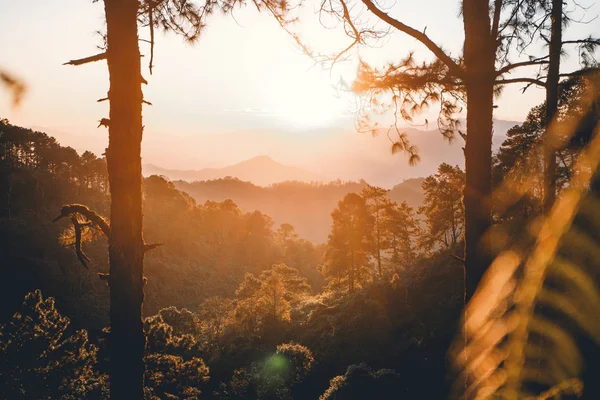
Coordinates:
91 220
87 60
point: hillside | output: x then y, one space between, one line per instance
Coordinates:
410 191
307 206
198 259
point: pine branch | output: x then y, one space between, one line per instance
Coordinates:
357 40
595 42
520 80
420 36
580 72
93 220
81 61
97 221
510 67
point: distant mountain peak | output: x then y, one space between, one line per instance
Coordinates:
260 159
262 170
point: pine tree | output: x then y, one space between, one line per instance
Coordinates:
443 209
375 198
269 296
493 31
522 157
123 158
555 52
43 358
350 241
401 229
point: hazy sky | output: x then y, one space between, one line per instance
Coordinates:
244 73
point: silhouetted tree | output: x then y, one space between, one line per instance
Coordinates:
214 314
126 244
43 358
522 157
350 241
375 198
401 229
442 208
269 297
555 52
493 30
361 382
174 368
275 378
551 26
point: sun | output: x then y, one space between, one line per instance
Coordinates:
309 100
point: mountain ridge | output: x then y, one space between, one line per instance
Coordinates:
320 154
261 170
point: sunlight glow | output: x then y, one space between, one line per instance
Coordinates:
311 100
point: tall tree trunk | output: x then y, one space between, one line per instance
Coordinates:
126 245
552 105
378 241
479 54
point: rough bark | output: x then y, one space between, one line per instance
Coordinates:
126 246
479 59
552 105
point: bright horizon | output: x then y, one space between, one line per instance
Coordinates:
245 74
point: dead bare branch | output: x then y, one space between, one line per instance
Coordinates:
81 61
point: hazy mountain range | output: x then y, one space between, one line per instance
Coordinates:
307 206
320 154
260 170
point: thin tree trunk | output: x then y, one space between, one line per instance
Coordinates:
552 105
378 240
351 278
454 235
479 56
126 245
